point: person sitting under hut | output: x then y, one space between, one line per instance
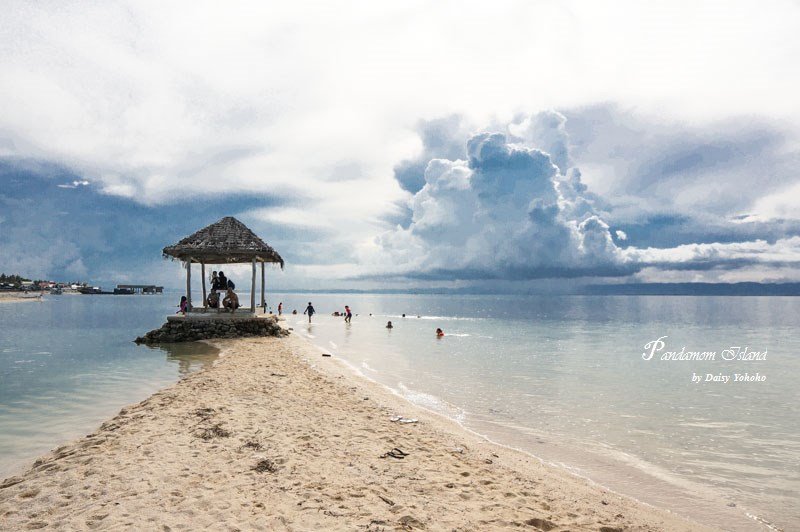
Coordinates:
231 300
213 299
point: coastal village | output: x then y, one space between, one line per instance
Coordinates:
16 283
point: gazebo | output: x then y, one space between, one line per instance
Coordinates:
227 241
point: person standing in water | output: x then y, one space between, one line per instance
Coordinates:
310 311
389 325
348 314
280 308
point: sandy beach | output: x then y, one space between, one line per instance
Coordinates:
16 297
276 437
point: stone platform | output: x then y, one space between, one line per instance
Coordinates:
204 326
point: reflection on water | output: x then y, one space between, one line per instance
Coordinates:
69 363
189 356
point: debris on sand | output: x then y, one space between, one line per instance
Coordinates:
205 413
401 419
265 465
395 453
215 431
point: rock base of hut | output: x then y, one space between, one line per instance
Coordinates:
186 329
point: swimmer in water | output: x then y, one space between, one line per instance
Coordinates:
389 325
439 333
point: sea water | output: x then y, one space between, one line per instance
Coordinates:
68 362
566 379
689 403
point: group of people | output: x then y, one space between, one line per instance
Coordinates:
348 316
231 302
219 283
310 311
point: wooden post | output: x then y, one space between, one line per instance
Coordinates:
253 289
189 283
263 301
203 273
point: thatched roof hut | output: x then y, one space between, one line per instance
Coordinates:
223 242
227 241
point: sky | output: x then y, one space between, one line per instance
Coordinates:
512 146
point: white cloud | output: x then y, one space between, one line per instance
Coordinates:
315 104
74 184
505 211
152 92
508 211
783 251
778 206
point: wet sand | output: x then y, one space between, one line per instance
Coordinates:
276 437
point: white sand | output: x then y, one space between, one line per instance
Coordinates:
319 433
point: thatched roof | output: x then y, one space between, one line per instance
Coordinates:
225 241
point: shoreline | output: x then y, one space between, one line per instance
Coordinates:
273 435
14 463
14 297
688 501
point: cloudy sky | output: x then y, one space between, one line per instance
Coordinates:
377 144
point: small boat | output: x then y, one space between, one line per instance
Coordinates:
123 291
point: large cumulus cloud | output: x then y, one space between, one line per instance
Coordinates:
508 210
513 205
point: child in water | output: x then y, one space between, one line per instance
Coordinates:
389 325
439 333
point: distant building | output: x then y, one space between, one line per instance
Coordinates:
138 289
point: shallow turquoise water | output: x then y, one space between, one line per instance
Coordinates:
564 378
68 363
560 377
